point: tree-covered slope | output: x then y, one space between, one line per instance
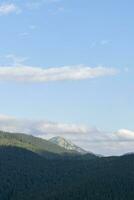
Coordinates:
43 147
25 175
38 145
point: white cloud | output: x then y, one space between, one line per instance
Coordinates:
125 134
36 74
90 138
41 128
8 8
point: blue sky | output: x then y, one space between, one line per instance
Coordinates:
56 33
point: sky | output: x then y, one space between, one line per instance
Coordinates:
67 69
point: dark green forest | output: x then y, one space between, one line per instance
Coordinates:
27 175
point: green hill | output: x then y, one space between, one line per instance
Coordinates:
26 173
37 145
43 147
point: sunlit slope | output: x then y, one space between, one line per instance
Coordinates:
32 143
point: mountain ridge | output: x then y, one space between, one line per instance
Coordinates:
32 143
67 144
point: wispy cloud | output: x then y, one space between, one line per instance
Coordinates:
15 60
37 74
99 43
32 27
57 10
27 33
9 8
104 42
36 4
90 138
24 35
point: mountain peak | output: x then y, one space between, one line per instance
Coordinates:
67 144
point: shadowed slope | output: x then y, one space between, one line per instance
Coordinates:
25 175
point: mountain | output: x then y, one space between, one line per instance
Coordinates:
29 142
40 146
66 144
25 175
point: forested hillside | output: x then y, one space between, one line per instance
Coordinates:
25 175
38 145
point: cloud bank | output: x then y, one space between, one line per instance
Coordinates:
37 74
90 138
